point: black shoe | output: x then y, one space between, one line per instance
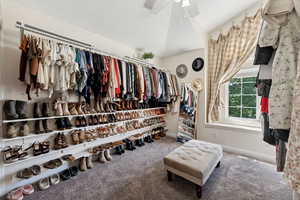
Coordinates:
21 107
74 171
67 123
83 122
60 123
36 110
45 109
119 150
45 126
37 127
122 149
10 110
65 175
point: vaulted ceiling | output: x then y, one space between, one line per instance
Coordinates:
166 31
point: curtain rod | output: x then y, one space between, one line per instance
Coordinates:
36 30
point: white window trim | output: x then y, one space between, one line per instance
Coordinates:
226 119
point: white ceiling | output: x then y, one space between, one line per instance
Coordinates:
165 32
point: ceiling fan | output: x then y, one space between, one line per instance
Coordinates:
156 6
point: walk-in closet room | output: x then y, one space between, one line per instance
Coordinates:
149 100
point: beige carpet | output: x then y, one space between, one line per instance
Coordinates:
139 175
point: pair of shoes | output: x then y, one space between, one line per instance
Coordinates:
63 123
13 154
80 122
78 136
41 148
45 183
29 172
19 193
129 145
43 112
15 109
120 150
13 130
61 108
104 156
139 142
86 163
52 164
93 120
68 173
60 141
148 139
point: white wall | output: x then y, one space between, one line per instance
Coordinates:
237 140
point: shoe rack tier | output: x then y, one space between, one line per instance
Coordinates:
71 116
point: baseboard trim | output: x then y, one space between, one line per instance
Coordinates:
250 154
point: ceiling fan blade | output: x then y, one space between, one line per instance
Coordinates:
156 5
149 4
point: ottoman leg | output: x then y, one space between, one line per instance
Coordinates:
170 176
219 164
199 191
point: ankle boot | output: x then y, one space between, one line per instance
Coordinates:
60 124
36 110
24 129
67 123
58 108
12 130
89 162
10 110
21 107
101 157
83 166
45 126
119 150
45 110
65 109
37 127
79 110
107 155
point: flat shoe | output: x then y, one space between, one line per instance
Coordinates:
27 189
54 179
74 171
44 184
15 194
65 175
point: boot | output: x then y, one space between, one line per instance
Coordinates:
67 123
37 127
89 162
83 162
107 155
79 110
36 110
58 108
65 109
45 126
60 123
97 107
24 129
101 107
12 130
101 157
10 110
45 110
21 107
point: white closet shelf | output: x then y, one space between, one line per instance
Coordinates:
185 133
72 149
71 116
6 140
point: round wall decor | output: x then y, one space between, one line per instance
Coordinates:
198 64
181 70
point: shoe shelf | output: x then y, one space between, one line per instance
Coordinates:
10 168
19 182
184 133
12 141
71 116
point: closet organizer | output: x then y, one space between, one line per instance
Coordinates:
84 98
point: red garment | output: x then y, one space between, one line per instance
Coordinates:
264 104
118 89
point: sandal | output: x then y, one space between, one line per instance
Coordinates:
25 173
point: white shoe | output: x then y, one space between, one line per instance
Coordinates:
107 155
101 157
89 162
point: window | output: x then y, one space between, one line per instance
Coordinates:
242 98
241 103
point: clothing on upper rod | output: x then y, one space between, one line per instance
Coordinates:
55 67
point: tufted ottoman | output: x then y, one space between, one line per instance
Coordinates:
195 161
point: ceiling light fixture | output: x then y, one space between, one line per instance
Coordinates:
185 3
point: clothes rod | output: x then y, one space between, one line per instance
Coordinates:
78 43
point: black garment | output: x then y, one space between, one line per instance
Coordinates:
263 87
263 55
268 133
282 134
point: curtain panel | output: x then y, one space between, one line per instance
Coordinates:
226 56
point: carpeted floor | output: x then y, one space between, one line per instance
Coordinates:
139 175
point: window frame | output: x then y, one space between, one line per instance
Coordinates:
244 73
